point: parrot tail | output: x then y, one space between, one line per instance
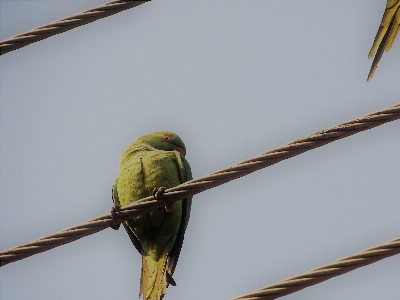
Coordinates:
153 282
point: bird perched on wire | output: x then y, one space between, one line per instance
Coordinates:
386 34
151 164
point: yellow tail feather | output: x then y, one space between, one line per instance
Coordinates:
394 30
153 283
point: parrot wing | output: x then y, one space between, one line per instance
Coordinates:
386 34
133 238
186 175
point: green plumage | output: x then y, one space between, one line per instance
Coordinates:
153 161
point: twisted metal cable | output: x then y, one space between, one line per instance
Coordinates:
196 186
321 274
65 24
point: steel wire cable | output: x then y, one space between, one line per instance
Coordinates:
196 186
65 24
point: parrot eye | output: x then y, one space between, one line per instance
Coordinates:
167 137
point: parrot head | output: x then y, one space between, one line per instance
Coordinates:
164 140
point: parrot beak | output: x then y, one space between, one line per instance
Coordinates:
180 150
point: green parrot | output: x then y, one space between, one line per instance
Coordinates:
386 34
153 161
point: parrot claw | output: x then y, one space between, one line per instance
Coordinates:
169 208
114 215
158 193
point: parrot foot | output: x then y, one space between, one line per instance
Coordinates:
114 215
158 193
169 208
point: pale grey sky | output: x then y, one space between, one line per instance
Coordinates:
233 79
